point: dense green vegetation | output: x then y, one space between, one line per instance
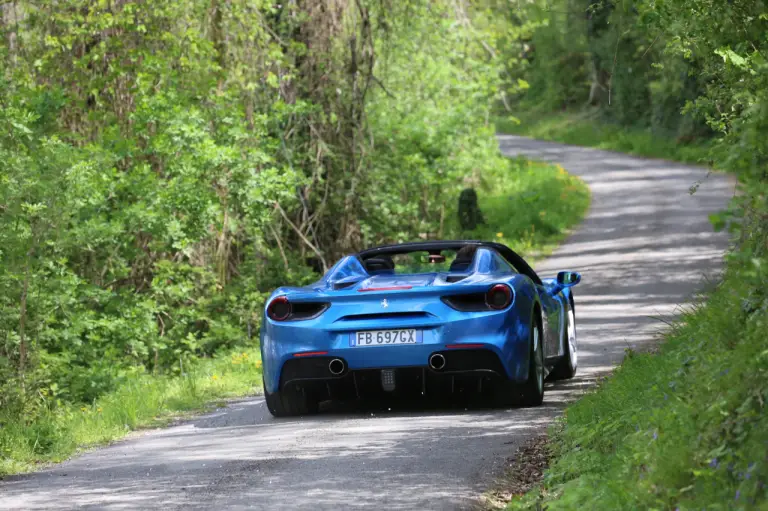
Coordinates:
684 428
164 165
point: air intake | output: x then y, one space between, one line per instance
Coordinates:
386 315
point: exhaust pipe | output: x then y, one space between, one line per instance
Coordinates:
437 361
336 366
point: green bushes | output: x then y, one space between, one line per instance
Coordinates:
684 428
163 166
676 70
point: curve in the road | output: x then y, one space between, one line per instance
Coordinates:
644 248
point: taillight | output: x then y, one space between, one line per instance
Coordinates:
468 302
499 297
279 309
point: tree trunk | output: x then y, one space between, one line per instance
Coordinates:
23 320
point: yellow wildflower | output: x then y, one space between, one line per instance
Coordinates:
499 234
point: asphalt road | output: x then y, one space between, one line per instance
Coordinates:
645 247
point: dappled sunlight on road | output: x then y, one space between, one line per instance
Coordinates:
644 250
256 458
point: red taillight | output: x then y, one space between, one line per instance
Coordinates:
465 345
310 354
279 309
499 297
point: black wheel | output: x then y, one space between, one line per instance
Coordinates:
566 366
530 393
289 402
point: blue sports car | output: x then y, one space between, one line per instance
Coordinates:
426 318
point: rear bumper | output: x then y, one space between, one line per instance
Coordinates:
499 347
457 362
465 371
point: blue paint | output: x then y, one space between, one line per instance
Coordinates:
505 332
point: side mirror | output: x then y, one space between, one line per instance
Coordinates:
568 278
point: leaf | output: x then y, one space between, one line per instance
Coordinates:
718 221
734 58
21 127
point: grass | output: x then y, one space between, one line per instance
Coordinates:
684 427
527 205
583 129
142 401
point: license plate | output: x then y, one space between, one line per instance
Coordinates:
385 337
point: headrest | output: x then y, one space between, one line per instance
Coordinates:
460 265
379 264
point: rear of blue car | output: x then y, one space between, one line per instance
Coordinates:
417 335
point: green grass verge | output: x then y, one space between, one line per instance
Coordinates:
528 205
141 401
583 129
685 428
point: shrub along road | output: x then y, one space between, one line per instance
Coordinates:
645 246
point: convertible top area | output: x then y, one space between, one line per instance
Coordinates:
436 247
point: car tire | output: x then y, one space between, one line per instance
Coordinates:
565 369
289 402
530 393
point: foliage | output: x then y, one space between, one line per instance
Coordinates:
683 428
640 62
164 165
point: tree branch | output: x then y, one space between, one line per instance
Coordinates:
301 235
378 82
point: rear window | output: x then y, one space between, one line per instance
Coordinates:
424 262
416 262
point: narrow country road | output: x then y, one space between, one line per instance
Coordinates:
645 247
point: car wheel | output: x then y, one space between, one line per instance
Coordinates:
566 366
289 402
530 393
